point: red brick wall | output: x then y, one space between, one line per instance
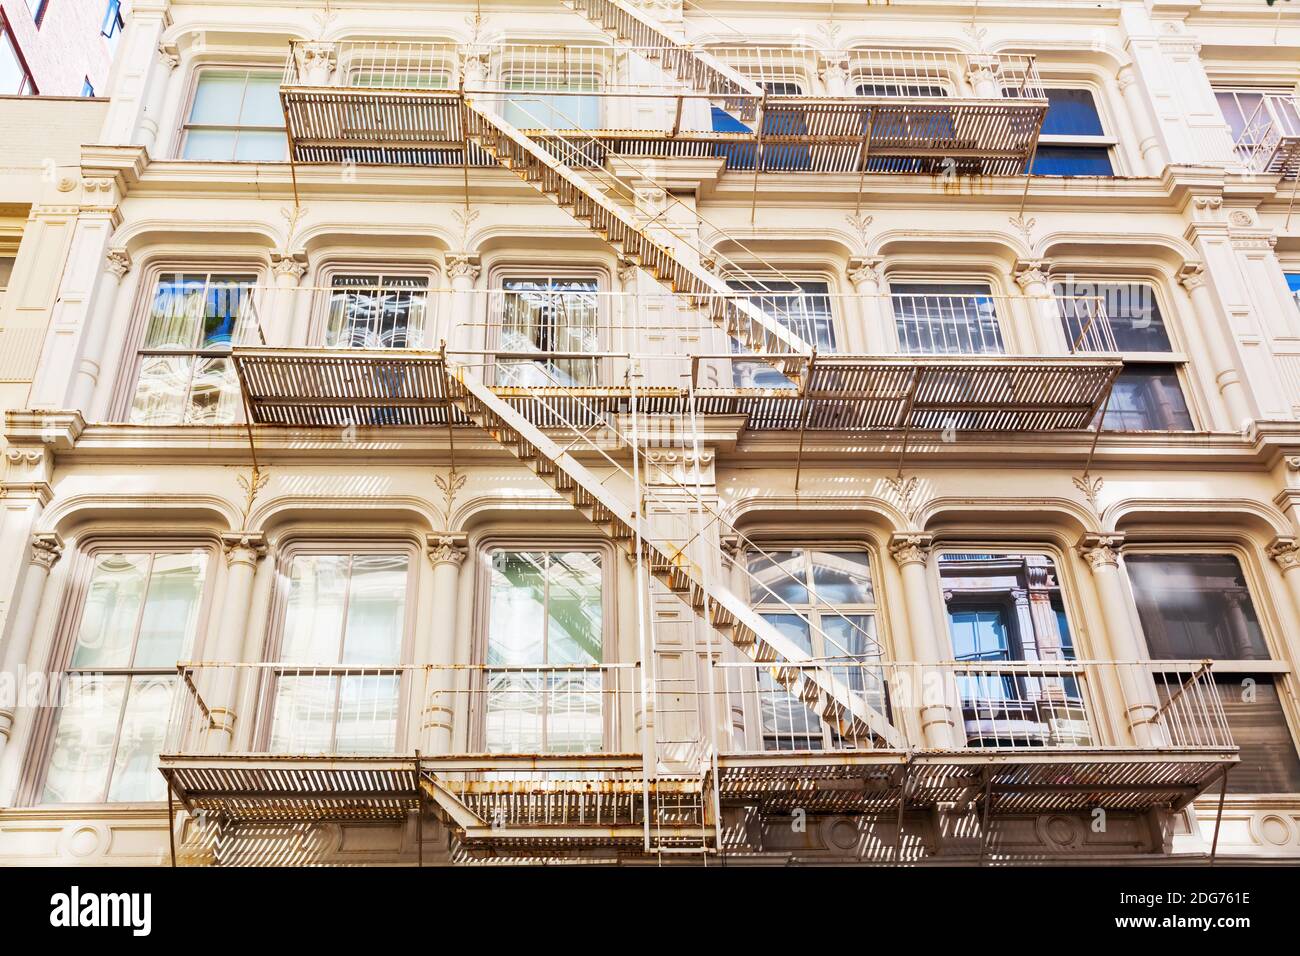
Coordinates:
67 48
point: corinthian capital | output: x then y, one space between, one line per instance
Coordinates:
46 550
242 547
1286 552
1100 550
910 548
446 548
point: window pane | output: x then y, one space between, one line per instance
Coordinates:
979 634
171 612
135 767
262 101
176 314
163 390
1147 398
218 99
260 147
849 635
1004 606
514 712
777 576
376 609
517 608
573 712
1269 763
550 315
210 145
1050 160
14 78
842 577
574 629
371 311
1195 607
223 304
214 393
1131 308
945 318
314 616
116 591
83 740
367 720
794 628
1237 108
1071 113
305 708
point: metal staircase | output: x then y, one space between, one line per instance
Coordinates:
670 264
848 714
697 69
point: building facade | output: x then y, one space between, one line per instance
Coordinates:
59 47
528 431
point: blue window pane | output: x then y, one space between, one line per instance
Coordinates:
1072 161
778 122
978 634
1071 113
1293 281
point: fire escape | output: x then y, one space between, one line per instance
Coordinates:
678 754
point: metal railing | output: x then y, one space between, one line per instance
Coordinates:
1086 324
618 68
1270 139
313 710
948 324
559 710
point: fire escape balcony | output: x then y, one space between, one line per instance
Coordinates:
894 110
1270 140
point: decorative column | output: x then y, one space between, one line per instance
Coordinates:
117 263
912 552
1101 551
227 687
285 321
463 269
1044 316
983 77
735 685
1219 346
447 552
833 69
45 550
156 96
1153 154
876 336
315 62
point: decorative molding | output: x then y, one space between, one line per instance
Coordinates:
243 547
47 548
907 547
864 269
289 265
118 262
1192 275
252 485
168 56
1091 488
445 547
450 486
905 490
1286 552
462 265
1025 227
1100 550
1030 271
860 222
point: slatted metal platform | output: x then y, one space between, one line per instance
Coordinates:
272 788
336 388
1020 782
842 782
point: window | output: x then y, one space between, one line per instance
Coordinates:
337 688
1293 284
15 77
87 88
1197 607
1003 608
545 641
377 311
140 617
1147 397
186 376
802 307
549 314
1072 141
552 100
824 602
1250 112
945 318
37 9
6 271
113 24
1131 310
236 116
779 120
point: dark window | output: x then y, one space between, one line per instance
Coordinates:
1071 114
15 77
1147 398
87 88
114 23
1131 308
1269 763
1195 607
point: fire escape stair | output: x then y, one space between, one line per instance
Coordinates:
736 316
830 698
698 69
